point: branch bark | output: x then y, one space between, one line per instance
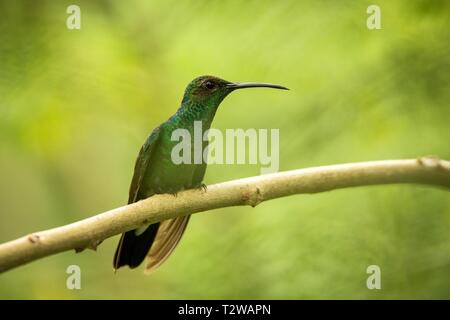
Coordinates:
88 233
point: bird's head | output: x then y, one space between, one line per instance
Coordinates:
210 90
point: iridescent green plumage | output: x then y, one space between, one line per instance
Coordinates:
155 172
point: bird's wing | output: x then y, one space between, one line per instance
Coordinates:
141 165
126 247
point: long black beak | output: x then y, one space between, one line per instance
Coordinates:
241 85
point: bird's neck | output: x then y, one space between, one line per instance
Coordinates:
190 112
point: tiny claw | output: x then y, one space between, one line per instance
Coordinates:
202 186
175 194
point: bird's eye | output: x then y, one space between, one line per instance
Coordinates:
209 85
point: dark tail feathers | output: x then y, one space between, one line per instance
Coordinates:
132 249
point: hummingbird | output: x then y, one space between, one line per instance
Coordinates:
156 173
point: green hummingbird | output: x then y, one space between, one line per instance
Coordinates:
156 173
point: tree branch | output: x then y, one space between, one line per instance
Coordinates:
250 191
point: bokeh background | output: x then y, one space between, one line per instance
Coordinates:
75 106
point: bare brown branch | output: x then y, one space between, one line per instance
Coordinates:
88 233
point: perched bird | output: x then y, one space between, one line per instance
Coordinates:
156 173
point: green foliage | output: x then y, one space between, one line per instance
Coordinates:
75 106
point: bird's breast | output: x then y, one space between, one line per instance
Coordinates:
164 175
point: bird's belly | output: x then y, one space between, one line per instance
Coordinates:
167 177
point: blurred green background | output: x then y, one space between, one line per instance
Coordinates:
75 106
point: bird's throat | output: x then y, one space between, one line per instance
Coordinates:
197 112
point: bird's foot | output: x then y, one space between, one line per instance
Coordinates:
175 194
203 187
